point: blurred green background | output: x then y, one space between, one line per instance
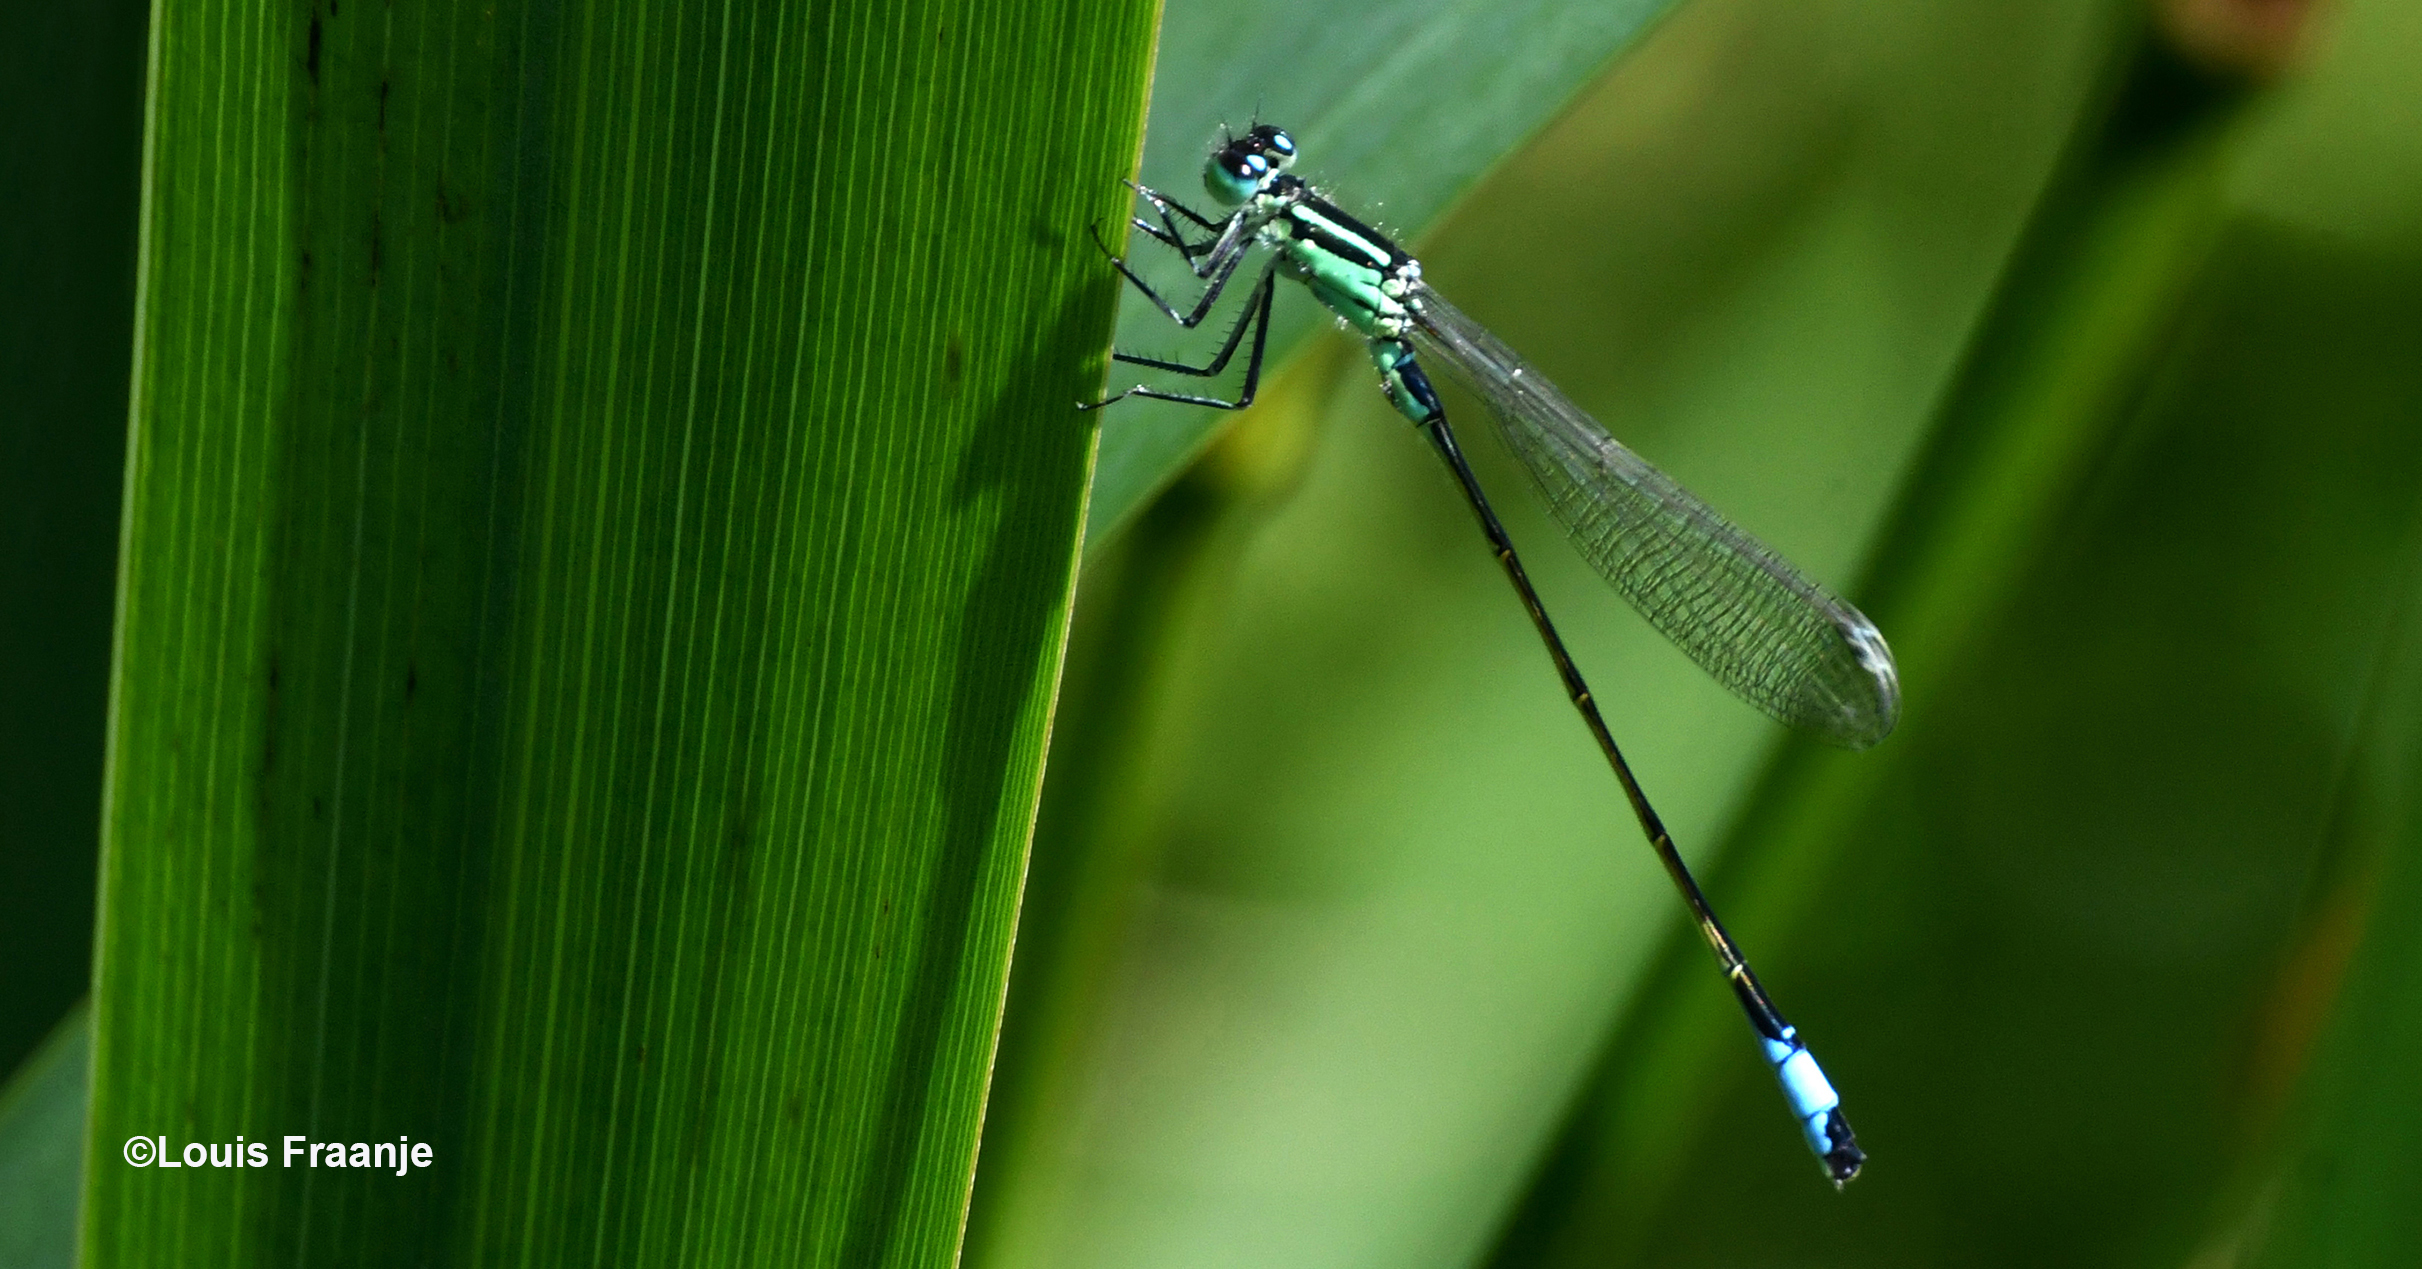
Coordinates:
2082 348
71 89
2086 352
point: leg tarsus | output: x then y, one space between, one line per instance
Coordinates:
1218 275
1258 317
1256 314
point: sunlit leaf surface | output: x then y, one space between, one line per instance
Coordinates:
598 542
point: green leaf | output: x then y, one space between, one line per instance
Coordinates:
2330 1183
2338 1192
1393 113
603 498
41 1149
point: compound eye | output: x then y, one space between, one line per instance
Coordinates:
1233 175
1276 143
1244 168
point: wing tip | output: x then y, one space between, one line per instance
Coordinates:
1866 717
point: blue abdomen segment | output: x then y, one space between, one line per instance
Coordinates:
1814 1103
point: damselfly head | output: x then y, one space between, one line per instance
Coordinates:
1275 144
1240 168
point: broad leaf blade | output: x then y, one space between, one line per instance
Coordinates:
597 549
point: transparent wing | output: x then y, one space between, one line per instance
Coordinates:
1778 640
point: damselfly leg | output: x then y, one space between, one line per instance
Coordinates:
1169 234
1256 316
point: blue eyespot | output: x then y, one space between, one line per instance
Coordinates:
1275 143
1243 165
1233 176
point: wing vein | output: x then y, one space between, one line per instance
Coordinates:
1767 633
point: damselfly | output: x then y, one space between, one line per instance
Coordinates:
1775 638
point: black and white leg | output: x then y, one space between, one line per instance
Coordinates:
1256 316
1167 232
1229 253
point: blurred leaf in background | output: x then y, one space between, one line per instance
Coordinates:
2088 904
2337 1186
42 1149
2096 346
2334 1182
71 101
1392 898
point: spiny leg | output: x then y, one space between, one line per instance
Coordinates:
1169 237
1221 268
1256 315
1168 204
1811 1097
1255 312
1169 234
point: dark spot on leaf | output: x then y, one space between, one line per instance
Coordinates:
319 809
306 278
450 208
954 363
382 106
311 53
411 681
